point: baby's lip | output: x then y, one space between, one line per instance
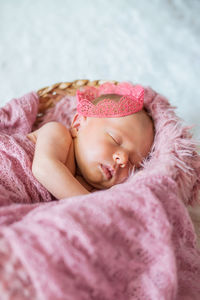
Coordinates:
108 171
112 173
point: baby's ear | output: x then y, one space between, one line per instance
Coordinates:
76 124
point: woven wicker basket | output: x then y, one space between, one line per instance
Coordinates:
49 96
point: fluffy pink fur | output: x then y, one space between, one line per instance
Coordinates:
133 241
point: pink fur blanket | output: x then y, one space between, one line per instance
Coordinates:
132 241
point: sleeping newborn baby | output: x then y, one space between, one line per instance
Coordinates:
110 135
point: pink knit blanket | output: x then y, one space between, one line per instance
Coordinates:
132 241
17 183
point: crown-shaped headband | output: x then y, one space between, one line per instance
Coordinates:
130 102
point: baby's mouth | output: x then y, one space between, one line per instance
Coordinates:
108 172
112 173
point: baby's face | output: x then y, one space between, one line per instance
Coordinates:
107 149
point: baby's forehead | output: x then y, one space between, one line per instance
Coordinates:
140 120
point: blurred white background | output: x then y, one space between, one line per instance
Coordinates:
154 43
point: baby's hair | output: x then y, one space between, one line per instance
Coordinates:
114 97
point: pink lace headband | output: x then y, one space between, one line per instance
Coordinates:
130 102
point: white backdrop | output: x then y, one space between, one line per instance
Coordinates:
154 43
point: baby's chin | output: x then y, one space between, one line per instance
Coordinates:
105 184
99 186
98 183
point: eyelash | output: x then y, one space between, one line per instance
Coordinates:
114 140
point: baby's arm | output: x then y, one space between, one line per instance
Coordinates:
51 152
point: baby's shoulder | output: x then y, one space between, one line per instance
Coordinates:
51 130
54 125
54 128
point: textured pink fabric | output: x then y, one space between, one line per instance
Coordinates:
17 183
130 102
133 241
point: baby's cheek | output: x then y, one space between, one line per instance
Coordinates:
105 153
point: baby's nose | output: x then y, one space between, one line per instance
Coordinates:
121 158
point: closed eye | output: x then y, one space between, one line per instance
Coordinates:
114 140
